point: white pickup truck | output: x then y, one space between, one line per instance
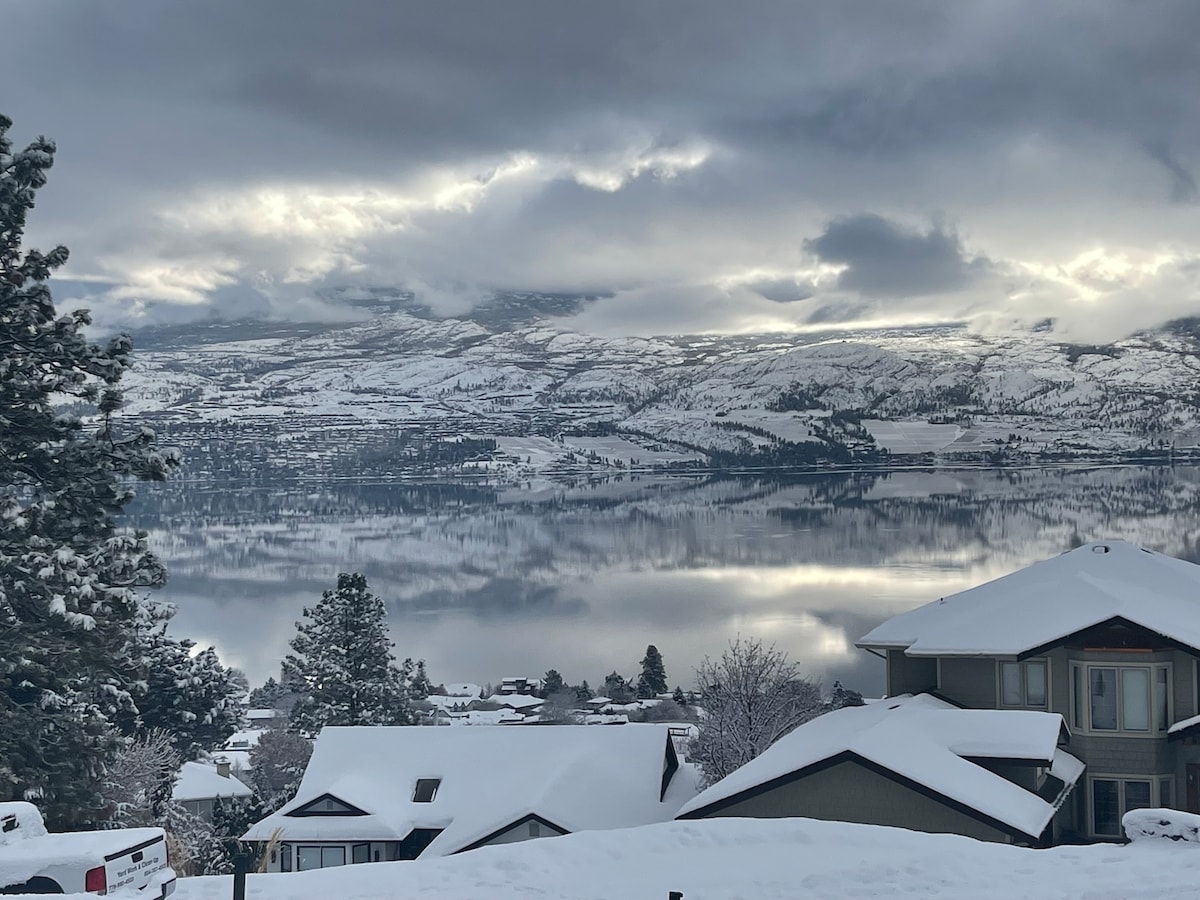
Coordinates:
132 860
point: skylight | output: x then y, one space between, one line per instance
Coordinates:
426 790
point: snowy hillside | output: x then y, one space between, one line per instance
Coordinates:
662 401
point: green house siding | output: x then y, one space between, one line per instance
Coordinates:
849 792
969 681
907 675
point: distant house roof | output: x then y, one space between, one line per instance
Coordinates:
571 776
1035 607
198 781
515 701
925 741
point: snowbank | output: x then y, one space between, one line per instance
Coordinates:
751 859
1143 824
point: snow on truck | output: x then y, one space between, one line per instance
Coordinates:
32 861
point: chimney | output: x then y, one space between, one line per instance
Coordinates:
222 766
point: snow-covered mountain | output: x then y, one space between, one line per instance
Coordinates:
554 399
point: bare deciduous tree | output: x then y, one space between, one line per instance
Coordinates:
139 780
752 696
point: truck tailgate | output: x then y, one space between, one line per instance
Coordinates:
135 866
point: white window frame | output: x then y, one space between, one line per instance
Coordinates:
1024 667
1081 719
1156 783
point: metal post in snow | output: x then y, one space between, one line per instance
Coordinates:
242 861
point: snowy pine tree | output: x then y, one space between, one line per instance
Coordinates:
268 694
653 680
277 764
69 580
552 683
191 697
341 663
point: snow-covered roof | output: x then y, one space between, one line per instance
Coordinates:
198 781
1184 725
1051 600
516 701
925 740
243 740
573 776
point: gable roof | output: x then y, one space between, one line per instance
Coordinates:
1051 600
573 776
198 781
922 740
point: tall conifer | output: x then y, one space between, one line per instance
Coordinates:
69 580
341 663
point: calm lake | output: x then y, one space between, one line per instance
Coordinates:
484 582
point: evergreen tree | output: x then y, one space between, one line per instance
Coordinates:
191 697
233 816
653 680
342 665
69 580
678 696
418 685
277 764
583 693
552 683
617 689
267 695
843 696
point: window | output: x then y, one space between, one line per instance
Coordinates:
535 829
1132 699
1023 683
360 853
1113 797
316 857
285 857
426 790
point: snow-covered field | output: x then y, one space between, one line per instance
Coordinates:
747 859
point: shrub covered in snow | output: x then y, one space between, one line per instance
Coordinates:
1142 824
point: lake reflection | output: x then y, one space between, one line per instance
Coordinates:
485 583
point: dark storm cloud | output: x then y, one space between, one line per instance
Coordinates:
782 290
885 259
207 148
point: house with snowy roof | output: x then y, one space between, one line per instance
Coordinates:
916 762
394 793
199 786
1107 636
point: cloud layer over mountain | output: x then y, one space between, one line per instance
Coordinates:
709 165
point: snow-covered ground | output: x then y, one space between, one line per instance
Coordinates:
747 859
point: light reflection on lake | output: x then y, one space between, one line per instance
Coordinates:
484 584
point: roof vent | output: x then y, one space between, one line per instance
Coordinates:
1100 548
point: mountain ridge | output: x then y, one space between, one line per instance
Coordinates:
550 398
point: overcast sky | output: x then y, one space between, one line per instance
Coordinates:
713 166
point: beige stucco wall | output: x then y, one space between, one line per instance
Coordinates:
848 792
